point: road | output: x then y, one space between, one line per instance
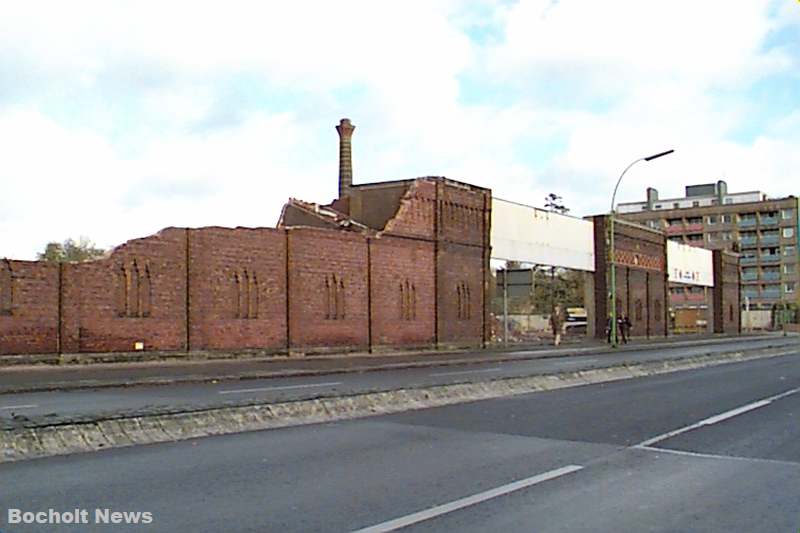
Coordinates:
712 450
52 406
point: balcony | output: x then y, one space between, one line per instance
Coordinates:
672 230
749 276
693 228
771 293
769 221
748 241
770 275
770 258
746 223
750 294
748 260
768 240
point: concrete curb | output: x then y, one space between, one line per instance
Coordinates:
92 435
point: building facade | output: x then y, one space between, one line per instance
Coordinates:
763 230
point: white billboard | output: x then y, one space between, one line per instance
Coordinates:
525 233
690 265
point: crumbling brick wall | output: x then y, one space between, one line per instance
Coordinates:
137 294
28 307
419 281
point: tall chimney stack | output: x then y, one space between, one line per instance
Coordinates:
345 130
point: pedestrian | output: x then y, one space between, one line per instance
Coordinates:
608 330
628 326
557 324
623 327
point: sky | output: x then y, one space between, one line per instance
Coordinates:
120 118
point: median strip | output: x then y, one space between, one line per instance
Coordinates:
33 439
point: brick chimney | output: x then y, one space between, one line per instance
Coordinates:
345 130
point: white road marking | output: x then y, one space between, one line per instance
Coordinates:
27 406
718 418
439 510
670 451
284 387
497 369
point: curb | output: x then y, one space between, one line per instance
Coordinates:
501 356
100 434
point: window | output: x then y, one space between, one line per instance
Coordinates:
134 289
789 251
712 219
695 204
676 205
408 301
727 236
726 219
675 222
463 299
789 287
788 233
658 206
787 214
334 297
788 269
695 220
728 200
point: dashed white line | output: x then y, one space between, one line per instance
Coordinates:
439 510
718 418
284 387
26 406
497 369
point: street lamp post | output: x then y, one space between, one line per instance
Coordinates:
612 258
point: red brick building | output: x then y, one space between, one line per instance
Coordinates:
397 264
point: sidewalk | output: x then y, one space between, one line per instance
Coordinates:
14 379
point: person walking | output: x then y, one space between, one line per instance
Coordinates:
557 324
624 327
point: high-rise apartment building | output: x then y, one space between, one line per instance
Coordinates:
763 230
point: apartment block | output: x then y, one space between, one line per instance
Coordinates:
763 230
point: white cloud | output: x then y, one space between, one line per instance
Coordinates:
194 113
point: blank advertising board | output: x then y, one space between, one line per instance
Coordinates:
532 235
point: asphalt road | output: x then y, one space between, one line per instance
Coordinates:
711 450
53 406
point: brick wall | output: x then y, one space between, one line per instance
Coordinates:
402 291
28 307
640 256
727 304
461 295
237 288
137 294
328 289
420 281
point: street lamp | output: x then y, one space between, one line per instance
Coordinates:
612 257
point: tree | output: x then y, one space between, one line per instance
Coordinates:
71 251
553 202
